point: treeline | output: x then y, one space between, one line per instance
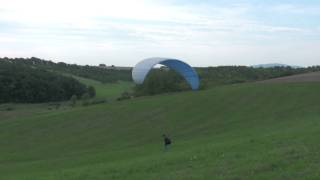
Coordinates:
92 72
21 83
158 81
212 76
163 81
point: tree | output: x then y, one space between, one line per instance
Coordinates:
73 100
85 99
91 91
161 81
124 95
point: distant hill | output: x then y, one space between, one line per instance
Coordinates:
163 81
272 65
97 73
306 77
237 74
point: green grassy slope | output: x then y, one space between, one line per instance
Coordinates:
245 131
106 90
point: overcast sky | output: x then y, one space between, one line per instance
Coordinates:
201 32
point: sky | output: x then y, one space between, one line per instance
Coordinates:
200 32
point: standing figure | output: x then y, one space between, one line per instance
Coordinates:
167 142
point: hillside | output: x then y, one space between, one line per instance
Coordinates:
209 76
221 75
36 81
306 77
272 65
244 131
91 72
25 84
107 90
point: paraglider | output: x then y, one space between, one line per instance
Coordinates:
141 70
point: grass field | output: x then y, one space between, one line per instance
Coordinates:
244 131
106 90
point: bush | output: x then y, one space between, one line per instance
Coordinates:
73 100
91 91
85 99
125 95
98 101
161 81
9 109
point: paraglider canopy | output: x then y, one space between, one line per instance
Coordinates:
141 70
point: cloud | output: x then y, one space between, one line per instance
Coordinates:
119 30
296 9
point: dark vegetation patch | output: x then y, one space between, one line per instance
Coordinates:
21 83
213 76
92 72
163 80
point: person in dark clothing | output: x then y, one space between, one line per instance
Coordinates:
167 142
